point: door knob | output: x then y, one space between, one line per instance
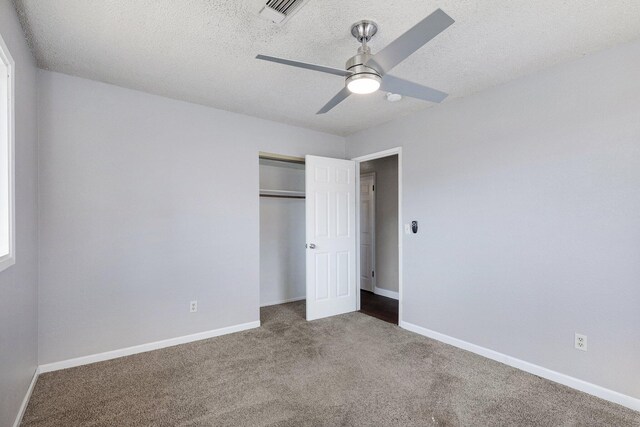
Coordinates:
311 246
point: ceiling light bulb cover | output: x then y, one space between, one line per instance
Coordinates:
363 84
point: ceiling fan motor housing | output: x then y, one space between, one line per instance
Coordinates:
363 31
356 64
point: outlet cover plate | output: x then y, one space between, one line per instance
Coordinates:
581 342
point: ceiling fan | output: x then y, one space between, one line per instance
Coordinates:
366 73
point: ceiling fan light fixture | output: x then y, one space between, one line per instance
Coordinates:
363 84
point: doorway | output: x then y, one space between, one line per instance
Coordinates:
379 235
345 270
282 228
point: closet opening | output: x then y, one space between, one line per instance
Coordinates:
282 229
379 234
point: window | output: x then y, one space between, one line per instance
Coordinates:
7 234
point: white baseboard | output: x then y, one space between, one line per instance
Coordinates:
100 357
575 383
385 293
284 301
27 396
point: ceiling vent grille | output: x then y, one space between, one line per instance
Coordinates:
280 11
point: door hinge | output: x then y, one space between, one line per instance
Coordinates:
373 274
373 188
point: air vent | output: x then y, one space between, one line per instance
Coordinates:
280 11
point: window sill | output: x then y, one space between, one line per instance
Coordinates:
6 262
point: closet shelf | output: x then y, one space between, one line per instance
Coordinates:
287 194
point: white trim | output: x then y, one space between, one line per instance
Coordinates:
284 301
114 354
380 154
27 397
575 383
385 293
373 225
5 56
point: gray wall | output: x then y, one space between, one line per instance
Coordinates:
282 234
18 284
528 197
146 204
386 170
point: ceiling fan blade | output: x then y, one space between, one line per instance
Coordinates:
314 67
413 90
340 96
400 49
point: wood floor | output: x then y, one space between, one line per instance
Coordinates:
379 307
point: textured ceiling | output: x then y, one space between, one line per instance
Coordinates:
203 50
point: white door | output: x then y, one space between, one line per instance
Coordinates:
367 231
331 239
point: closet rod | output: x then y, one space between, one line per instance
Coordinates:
282 197
280 157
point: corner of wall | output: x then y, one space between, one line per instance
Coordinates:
38 73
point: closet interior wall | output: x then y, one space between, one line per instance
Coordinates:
282 232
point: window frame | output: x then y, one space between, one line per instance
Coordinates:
6 58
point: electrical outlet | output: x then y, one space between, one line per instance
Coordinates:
193 307
581 342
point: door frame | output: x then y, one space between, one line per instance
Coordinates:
378 155
373 224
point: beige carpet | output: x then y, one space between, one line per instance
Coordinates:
346 370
